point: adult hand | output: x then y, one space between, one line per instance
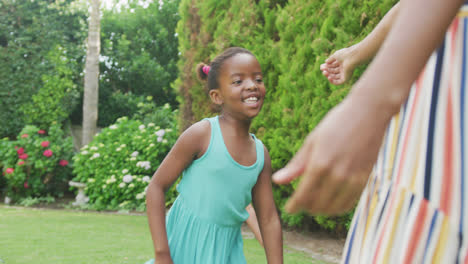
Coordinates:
335 159
339 67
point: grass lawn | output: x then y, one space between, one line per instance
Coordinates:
41 236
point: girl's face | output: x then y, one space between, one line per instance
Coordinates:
242 91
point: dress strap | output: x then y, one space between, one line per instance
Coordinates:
260 151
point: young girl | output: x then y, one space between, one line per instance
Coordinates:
224 168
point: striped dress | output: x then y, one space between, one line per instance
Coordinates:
415 206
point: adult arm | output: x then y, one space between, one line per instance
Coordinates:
252 222
187 147
339 67
268 219
337 157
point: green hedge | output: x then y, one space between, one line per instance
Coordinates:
291 39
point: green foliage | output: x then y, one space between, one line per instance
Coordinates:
149 112
29 31
30 201
290 39
138 107
58 95
138 59
37 163
116 105
118 164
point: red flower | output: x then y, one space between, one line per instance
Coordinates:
23 156
9 170
21 162
24 135
16 147
45 144
26 185
41 132
63 163
48 153
20 151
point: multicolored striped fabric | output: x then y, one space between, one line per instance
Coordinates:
415 208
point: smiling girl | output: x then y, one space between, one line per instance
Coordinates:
224 168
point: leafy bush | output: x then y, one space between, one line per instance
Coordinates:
149 112
116 105
118 164
30 201
139 49
36 163
58 95
29 30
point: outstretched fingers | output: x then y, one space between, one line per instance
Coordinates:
294 168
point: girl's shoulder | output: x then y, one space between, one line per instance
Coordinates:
199 130
198 135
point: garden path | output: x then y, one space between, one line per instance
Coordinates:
318 245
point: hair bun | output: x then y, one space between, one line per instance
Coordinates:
202 71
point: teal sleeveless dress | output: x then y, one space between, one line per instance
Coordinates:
204 223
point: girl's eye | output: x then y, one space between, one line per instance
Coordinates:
259 80
237 82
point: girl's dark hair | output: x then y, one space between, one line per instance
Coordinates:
215 66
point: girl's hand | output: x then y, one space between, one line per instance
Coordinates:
335 159
339 67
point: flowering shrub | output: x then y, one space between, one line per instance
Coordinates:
36 163
118 164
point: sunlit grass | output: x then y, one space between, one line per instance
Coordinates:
41 236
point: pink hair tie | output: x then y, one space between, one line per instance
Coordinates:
206 69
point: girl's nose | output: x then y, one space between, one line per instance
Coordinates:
252 85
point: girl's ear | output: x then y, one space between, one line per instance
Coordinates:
216 96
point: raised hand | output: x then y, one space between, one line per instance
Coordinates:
339 67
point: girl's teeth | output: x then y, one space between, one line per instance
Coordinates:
251 99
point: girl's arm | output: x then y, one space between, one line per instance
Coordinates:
337 157
252 222
268 219
338 68
190 144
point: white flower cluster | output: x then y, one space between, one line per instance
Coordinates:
112 179
146 178
127 178
144 164
95 155
140 196
120 148
160 133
